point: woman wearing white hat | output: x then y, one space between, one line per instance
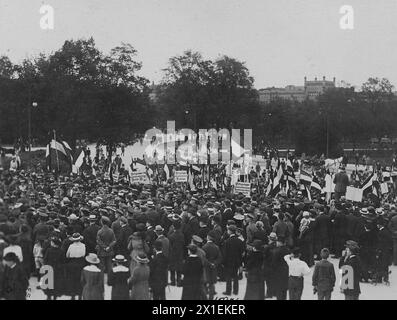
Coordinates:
92 279
140 279
75 264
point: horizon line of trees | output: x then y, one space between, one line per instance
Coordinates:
86 94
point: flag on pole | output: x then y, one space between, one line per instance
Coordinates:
315 184
305 177
167 171
60 151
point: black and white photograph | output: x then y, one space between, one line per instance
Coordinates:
217 151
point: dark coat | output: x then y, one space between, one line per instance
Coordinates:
191 228
279 269
214 258
255 279
92 282
384 247
354 227
341 181
355 263
192 274
177 250
122 242
233 250
158 271
54 257
118 280
322 228
324 276
15 283
90 234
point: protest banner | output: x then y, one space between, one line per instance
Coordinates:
243 187
139 177
180 176
354 194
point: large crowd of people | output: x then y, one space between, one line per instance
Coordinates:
141 238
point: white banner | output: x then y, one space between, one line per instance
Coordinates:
243 187
354 194
139 177
180 176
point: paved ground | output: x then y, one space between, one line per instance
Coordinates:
369 291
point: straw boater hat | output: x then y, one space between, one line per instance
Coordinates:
92 258
119 258
142 258
76 237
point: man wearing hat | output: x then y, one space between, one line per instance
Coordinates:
384 249
192 275
90 234
232 251
191 227
214 258
393 229
350 258
159 230
16 281
125 232
341 181
106 240
118 279
41 230
158 272
176 252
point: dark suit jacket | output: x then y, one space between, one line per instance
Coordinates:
324 276
322 227
89 235
233 250
158 271
355 263
341 181
15 283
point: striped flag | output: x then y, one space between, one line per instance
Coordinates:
315 184
58 151
276 185
306 177
368 182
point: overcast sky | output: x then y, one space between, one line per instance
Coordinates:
281 41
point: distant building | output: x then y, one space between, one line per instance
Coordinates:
310 90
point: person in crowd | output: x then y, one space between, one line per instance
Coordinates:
324 277
351 271
92 279
341 181
158 272
139 280
297 269
106 240
233 250
393 228
118 279
192 275
213 260
54 257
176 252
255 289
75 262
384 251
15 281
279 269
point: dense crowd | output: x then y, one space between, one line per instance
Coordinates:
141 238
